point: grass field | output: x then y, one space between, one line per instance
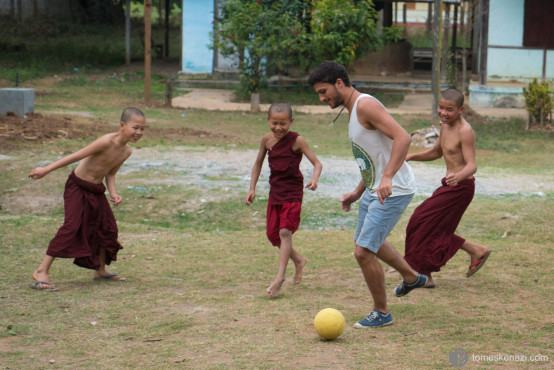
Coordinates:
197 261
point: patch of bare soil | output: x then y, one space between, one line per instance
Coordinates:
38 128
472 116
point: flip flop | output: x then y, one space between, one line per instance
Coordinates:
477 264
429 286
37 286
109 277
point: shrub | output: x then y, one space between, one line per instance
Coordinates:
538 101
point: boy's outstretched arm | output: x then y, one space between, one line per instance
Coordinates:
427 155
301 145
256 170
94 147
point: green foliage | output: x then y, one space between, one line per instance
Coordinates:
275 35
259 32
452 73
538 100
419 38
393 34
137 13
346 34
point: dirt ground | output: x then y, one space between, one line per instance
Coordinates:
38 128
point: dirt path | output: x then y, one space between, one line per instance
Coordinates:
230 170
417 103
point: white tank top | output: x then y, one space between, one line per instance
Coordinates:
372 150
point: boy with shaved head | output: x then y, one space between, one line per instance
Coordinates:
430 238
285 150
89 232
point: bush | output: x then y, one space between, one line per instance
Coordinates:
538 101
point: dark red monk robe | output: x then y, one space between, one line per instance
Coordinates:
430 238
286 183
89 223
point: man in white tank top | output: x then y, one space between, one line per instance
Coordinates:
379 145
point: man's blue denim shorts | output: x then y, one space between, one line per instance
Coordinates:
375 221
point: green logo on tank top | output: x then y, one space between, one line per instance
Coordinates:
365 163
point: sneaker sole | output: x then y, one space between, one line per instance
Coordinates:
358 326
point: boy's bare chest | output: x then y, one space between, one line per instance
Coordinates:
450 142
109 158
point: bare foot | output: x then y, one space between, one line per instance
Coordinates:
477 263
430 282
273 289
43 281
299 266
476 256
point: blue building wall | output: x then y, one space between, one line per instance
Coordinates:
197 25
506 30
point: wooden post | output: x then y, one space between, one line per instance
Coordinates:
147 49
437 41
483 40
128 32
544 65
19 16
168 92
166 41
454 34
215 64
429 21
446 22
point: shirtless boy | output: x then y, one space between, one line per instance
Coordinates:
430 238
89 232
285 150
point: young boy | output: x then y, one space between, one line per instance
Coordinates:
285 149
430 238
89 232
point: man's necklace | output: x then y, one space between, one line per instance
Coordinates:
344 106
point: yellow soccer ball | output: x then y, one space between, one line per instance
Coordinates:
329 323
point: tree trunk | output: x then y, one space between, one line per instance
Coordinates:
254 102
147 48
437 38
128 32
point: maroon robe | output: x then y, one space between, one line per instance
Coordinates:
286 183
89 223
430 238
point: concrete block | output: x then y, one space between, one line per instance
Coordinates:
496 97
20 101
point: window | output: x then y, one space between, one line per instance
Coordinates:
538 28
